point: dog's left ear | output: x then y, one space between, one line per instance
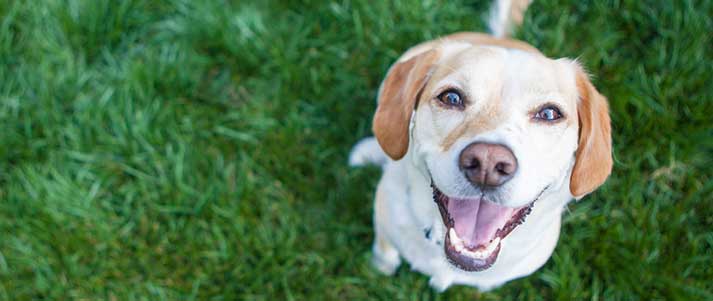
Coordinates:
397 99
593 161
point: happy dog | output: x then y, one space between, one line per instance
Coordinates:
488 141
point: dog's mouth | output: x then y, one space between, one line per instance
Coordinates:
475 228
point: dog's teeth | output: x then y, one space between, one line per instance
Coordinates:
455 240
494 244
481 254
454 236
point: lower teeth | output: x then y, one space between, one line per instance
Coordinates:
481 253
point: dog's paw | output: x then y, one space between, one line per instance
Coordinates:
440 283
385 261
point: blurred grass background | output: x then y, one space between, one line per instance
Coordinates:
196 150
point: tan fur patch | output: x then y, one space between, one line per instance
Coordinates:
398 98
474 38
484 39
593 162
485 120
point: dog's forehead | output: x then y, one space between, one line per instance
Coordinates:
530 74
469 65
497 68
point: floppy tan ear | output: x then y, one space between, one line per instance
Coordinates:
593 161
397 99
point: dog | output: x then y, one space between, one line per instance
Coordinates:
483 141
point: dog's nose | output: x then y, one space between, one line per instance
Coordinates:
487 165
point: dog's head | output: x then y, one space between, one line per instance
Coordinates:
493 128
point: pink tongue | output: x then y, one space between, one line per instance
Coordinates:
476 221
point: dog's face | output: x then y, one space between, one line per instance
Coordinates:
493 128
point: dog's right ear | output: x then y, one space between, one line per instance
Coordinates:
398 98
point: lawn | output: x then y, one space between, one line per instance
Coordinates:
196 150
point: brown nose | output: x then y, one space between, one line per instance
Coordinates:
487 165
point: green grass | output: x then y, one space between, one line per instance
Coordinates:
196 150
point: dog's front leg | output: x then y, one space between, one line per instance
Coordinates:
385 257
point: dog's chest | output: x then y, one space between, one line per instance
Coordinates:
416 230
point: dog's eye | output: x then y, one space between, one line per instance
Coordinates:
549 113
451 98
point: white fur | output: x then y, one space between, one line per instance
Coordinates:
405 211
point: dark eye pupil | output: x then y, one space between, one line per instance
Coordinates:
453 98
